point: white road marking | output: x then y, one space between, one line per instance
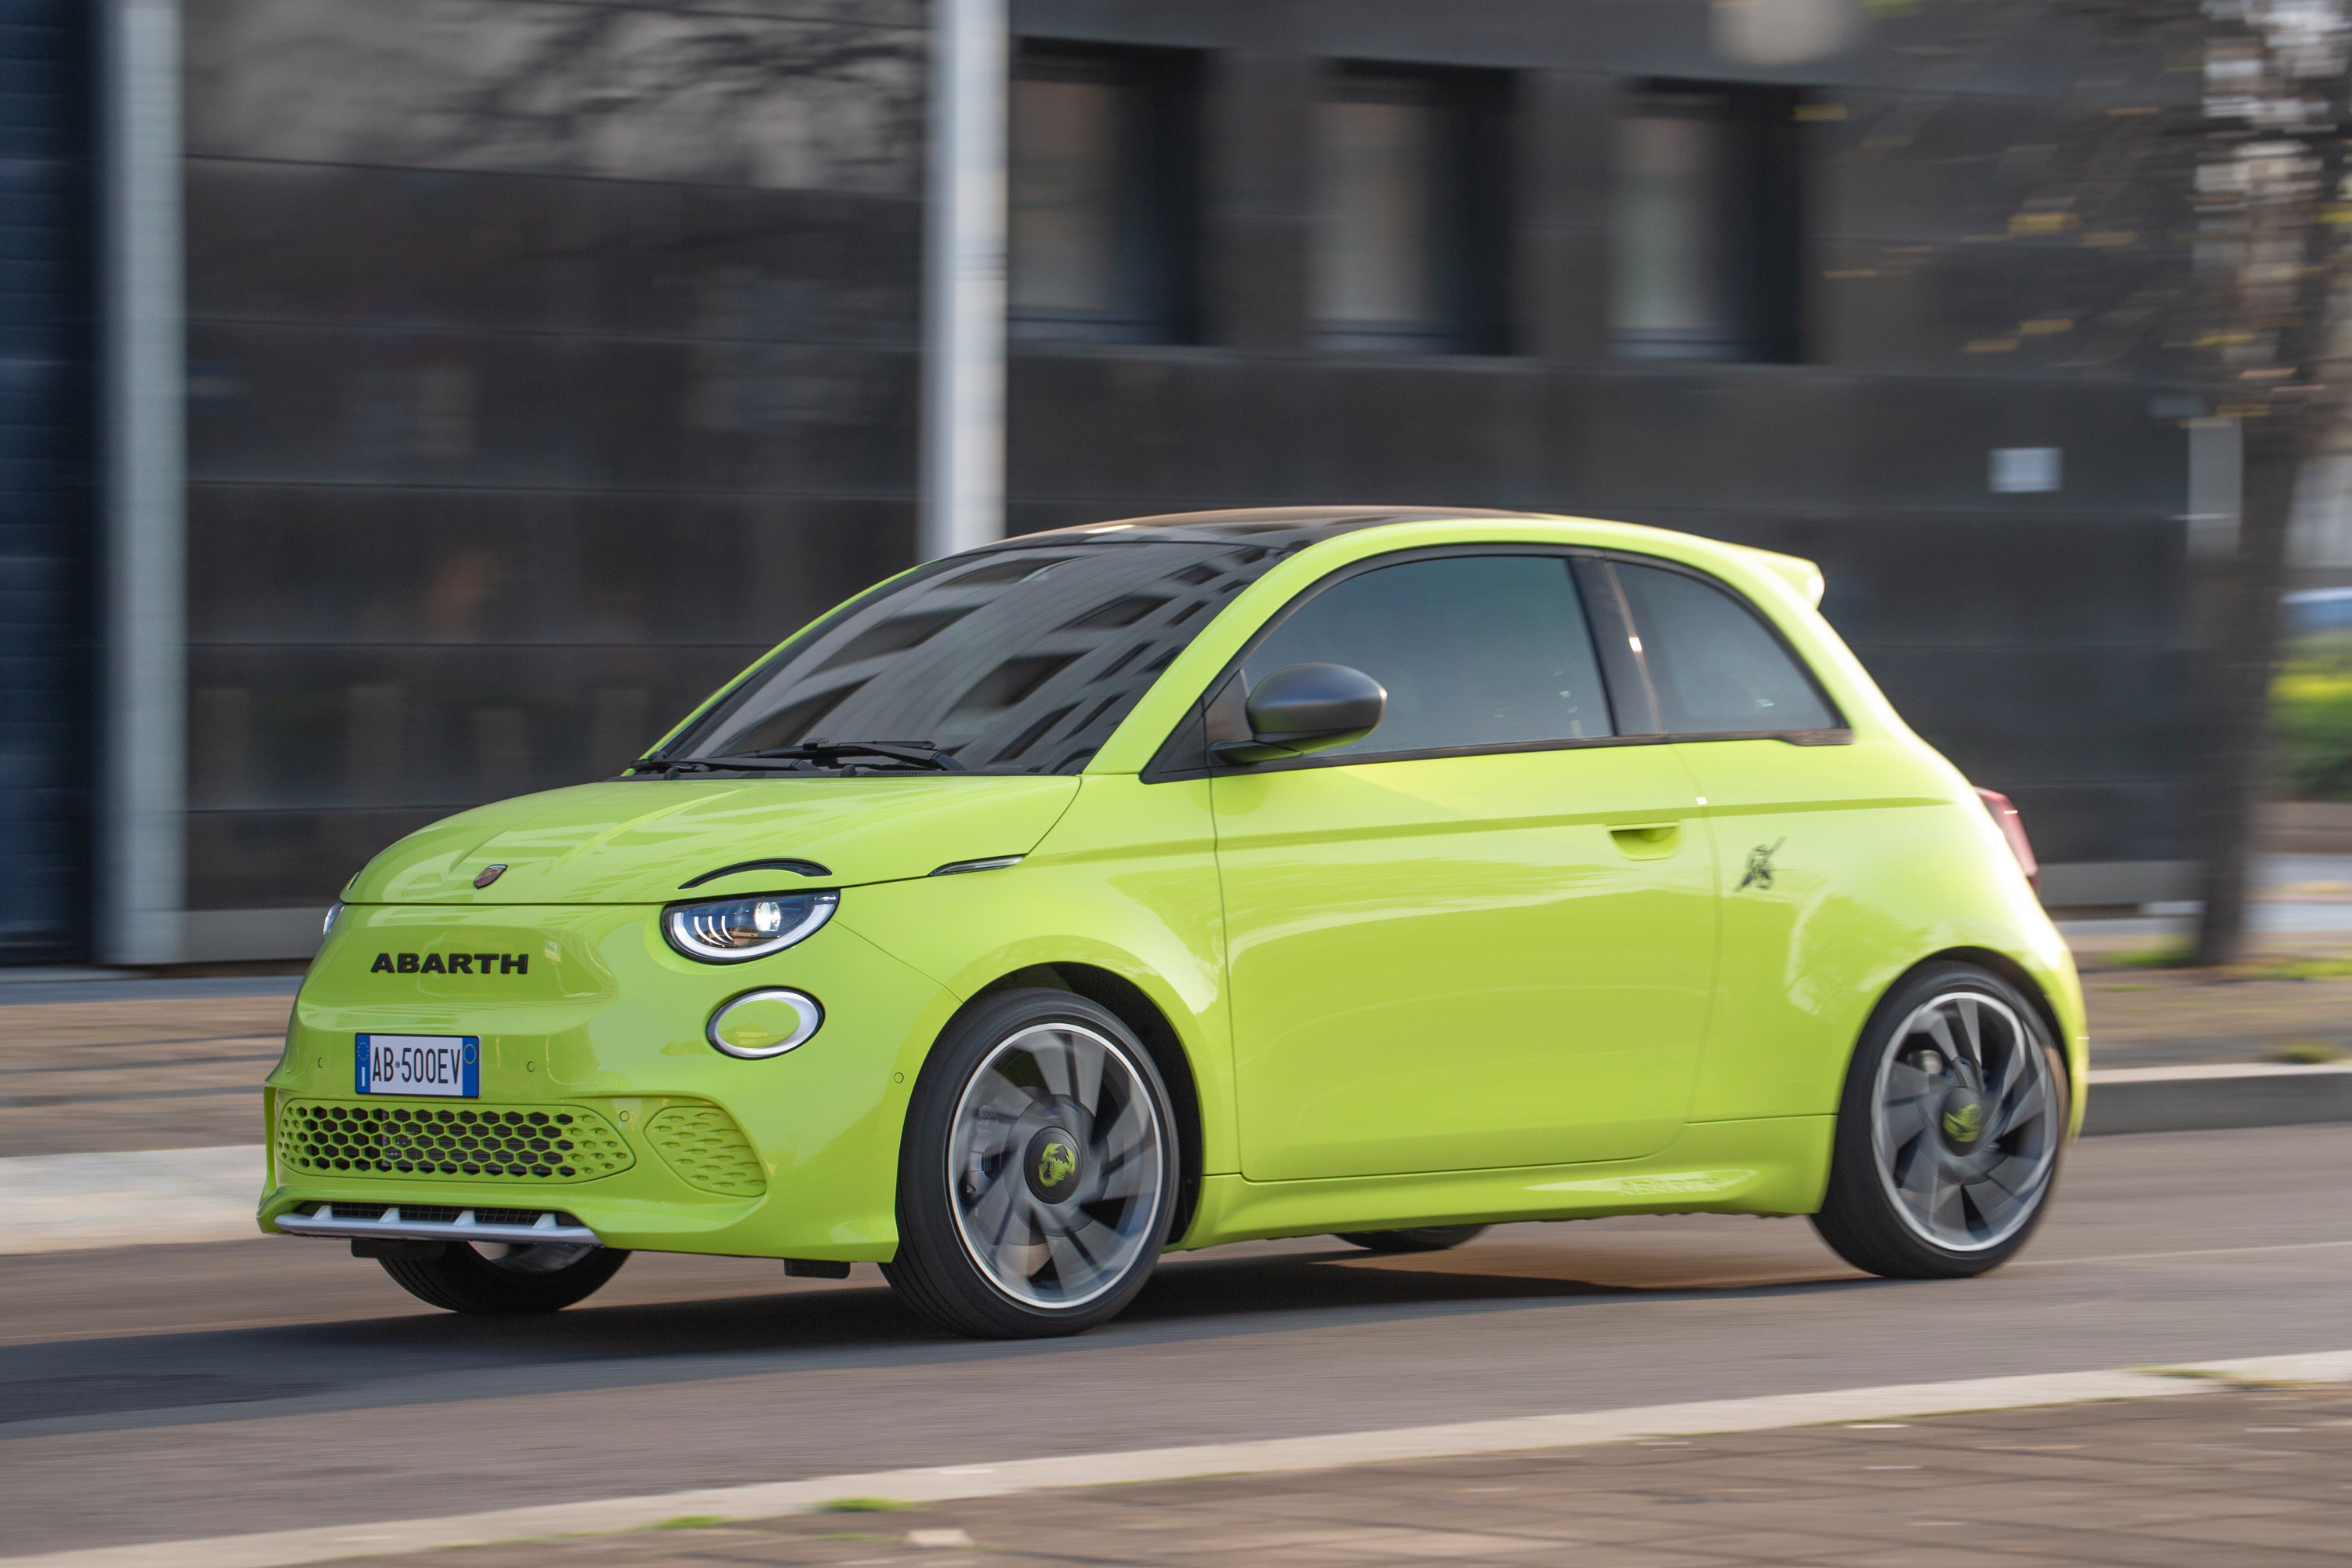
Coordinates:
282 1549
2185 1252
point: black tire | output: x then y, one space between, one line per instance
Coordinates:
1950 1180
1025 1210
1422 1238
545 1277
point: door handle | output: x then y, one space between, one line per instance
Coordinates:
1647 840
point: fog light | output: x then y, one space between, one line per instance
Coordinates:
764 1023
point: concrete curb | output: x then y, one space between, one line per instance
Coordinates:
283 1549
2223 1095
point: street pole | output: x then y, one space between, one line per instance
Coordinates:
143 742
962 475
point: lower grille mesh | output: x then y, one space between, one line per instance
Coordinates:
704 1146
534 1143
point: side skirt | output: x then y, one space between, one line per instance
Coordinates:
1778 1165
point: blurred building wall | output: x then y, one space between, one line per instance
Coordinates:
1867 341
549 362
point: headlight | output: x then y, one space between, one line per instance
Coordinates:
733 930
334 913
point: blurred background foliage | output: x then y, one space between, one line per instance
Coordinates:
2311 715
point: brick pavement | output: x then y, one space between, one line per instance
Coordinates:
2248 1478
142 1073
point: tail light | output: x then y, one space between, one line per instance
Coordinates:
2012 828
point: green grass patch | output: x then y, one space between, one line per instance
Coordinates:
2301 969
2309 1053
868 1505
2166 955
2311 716
693 1522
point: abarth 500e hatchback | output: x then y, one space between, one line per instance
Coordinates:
1196 878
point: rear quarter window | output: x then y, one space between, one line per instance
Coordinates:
1713 664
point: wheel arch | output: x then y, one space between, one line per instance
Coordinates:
2018 975
2008 969
1132 1006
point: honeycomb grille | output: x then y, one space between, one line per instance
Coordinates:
564 1144
704 1146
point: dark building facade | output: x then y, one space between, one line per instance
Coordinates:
46 282
1627 268
546 362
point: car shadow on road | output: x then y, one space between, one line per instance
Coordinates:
1240 1291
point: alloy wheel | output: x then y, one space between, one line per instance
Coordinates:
1964 1122
1055 1165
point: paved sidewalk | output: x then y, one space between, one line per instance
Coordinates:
144 1070
2254 1477
2165 1018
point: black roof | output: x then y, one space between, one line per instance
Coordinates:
1286 527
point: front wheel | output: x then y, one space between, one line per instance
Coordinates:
499 1280
1949 1132
1036 1180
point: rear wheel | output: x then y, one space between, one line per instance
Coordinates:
1420 1238
1949 1133
1036 1177
502 1281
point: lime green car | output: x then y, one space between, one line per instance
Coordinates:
1191 880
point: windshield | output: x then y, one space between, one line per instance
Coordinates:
1016 660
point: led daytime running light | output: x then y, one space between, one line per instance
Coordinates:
732 931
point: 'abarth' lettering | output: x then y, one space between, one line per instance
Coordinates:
451 964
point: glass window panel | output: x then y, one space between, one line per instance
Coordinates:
1375 230
1715 667
1064 196
1023 662
1670 296
1479 650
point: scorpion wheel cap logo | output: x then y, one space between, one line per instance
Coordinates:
488 874
1053 1165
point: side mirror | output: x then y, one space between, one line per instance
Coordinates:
1306 708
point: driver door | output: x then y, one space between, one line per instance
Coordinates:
1483 936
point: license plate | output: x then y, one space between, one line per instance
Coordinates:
447 1066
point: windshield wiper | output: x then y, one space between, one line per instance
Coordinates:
813 756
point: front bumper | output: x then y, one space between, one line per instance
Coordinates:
600 1099
424 1222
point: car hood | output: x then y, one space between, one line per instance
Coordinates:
636 841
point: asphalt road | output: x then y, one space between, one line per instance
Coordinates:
253 1385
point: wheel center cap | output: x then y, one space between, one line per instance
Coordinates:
1051 1165
1963 1119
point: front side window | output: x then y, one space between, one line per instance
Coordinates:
1475 650
1016 660
1713 666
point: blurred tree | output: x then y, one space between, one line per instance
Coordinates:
2267 308
2239 152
